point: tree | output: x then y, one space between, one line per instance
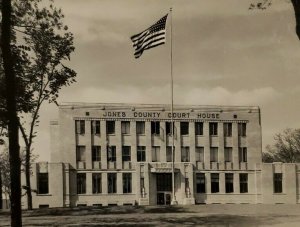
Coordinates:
286 147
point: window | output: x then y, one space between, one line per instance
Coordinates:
227 129
110 127
127 188
214 154
277 182
81 183
96 181
96 153
229 182
80 126
140 127
80 153
125 127
228 154
243 154
184 128
214 182
141 153
185 154
169 153
243 182
43 183
213 129
199 154
200 182
155 154
111 153
112 183
169 128
155 128
199 128
241 129
126 153
95 127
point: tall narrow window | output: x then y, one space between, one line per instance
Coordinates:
80 153
127 184
214 154
155 128
243 182
199 154
81 183
96 183
214 182
169 154
229 182
228 154
243 154
80 126
277 182
200 182
43 183
142 184
111 153
141 153
155 154
112 183
185 154
184 128
199 128
242 129
95 127
110 127
125 127
126 156
168 128
96 153
227 129
213 128
140 127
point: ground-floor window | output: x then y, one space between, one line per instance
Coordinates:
112 183
43 183
81 183
127 183
200 182
214 182
96 181
243 182
277 182
229 182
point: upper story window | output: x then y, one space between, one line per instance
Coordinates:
277 182
141 154
184 128
110 127
43 183
214 154
243 154
155 127
95 127
140 127
96 153
242 128
80 126
80 153
213 128
169 154
168 128
126 156
199 154
185 154
125 127
155 154
228 154
111 153
199 128
227 129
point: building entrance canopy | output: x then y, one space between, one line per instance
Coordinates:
163 170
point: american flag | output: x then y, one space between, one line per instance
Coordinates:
151 37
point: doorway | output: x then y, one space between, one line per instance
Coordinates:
164 188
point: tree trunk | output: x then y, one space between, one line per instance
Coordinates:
13 133
296 5
27 174
1 198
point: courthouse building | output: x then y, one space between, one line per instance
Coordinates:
121 154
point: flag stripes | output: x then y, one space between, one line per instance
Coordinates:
153 36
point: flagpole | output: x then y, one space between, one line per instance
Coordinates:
173 202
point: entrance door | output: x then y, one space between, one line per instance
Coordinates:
164 188
163 198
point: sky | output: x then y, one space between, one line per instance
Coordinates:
223 54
